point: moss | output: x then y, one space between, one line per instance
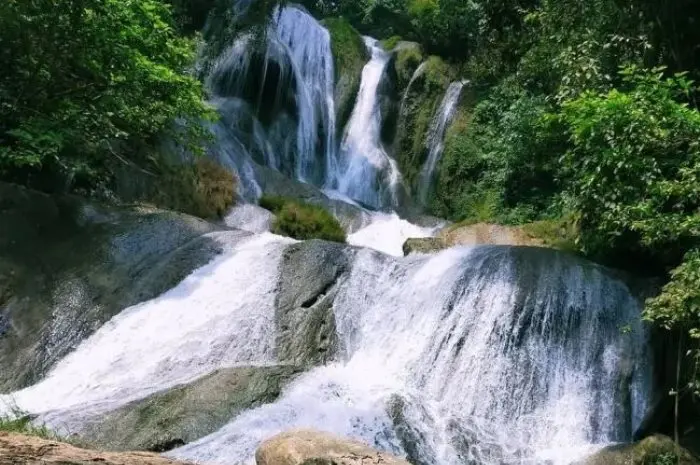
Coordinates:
390 43
302 221
349 57
409 56
204 189
558 234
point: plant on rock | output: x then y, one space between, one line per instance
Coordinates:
302 221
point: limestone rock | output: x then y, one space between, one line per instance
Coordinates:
24 450
303 447
309 276
187 413
654 450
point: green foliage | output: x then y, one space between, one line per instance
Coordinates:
500 161
678 308
19 423
84 79
302 221
273 203
346 43
634 164
391 43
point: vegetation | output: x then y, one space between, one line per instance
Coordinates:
22 424
350 56
203 189
302 221
82 82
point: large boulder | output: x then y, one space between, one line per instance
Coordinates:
306 447
309 281
654 450
68 265
187 413
16 449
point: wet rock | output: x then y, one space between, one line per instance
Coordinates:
187 413
68 265
654 450
16 449
309 277
423 245
303 447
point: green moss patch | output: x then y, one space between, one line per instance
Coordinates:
302 221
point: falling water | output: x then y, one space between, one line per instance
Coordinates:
483 356
277 101
436 137
367 173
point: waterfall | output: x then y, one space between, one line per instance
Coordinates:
367 173
276 99
436 137
485 355
220 316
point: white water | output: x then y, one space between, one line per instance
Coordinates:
436 137
220 316
293 81
501 356
367 173
387 233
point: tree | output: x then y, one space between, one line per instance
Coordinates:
82 80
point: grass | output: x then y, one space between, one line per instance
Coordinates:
19 423
302 221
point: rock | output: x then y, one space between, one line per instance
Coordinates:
476 234
304 447
350 56
309 277
16 449
187 413
423 245
68 265
407 58
351 217
654 450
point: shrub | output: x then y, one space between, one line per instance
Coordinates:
302 221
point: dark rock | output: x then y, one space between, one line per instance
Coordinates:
68 265
187 413
309 277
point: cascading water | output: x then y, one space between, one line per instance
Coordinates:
436 137
367 173
276 100
485 356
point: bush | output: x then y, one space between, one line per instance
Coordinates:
302 221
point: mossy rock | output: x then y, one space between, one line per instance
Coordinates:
302 221
421 102
349 57
407 58
654 450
